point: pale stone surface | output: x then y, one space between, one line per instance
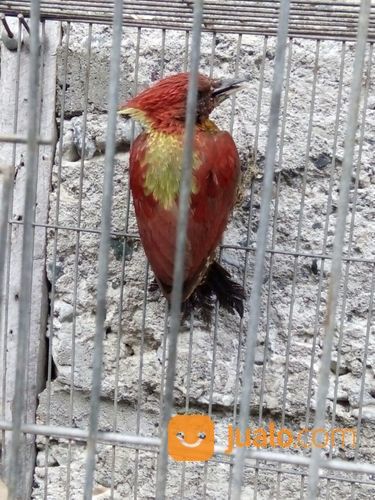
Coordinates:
14 158
124 337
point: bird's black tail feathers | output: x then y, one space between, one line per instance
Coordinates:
217 282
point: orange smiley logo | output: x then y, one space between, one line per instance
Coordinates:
191 437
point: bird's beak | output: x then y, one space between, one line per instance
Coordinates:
123 111
225 88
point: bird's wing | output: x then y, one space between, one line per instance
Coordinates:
216 178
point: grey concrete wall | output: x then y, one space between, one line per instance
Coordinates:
76 265
15 157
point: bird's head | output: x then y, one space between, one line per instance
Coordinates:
163 105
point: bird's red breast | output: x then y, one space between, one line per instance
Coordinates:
215 177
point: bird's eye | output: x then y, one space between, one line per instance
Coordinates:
201 435
180 435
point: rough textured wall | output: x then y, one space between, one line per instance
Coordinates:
15 69
289 345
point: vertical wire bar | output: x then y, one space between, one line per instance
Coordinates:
216 313
299 229
104 247
186 51
132 132
40 69
324 246
337 254
190 354
140 380
117 363
298 240
15 469
165 331
76 255
240 334
255 151
166 313
273 257
216 318
247 253
7 235
121 299
350 239
364 360
122 288
272 264
187 400
236 67
163 367
191 330
5 191
212 384
163 360
260 98
212 56
37 125
255 297
54 261
349 252
162 55
274 232
178 273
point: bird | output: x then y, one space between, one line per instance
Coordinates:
155 168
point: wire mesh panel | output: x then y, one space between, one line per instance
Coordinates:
93 252
307 18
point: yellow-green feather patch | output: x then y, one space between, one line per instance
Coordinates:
163 161
164 157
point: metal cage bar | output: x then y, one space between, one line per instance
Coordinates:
15 468
254 300
141 442
178 273
339 238
104 248
350 252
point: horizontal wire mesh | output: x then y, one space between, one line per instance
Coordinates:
310 18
